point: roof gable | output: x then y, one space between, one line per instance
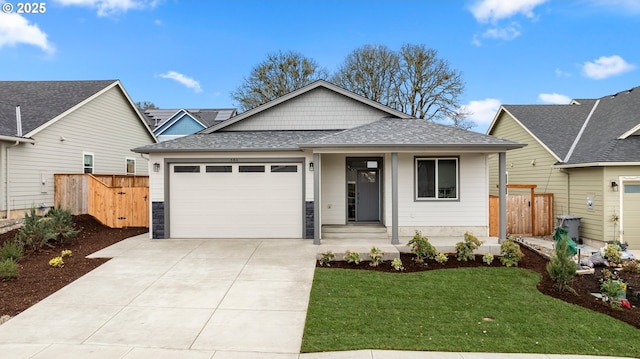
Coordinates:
43 101
181 123
318 106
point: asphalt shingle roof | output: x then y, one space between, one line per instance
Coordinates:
408 132
209 117
558 126
236 141
41 101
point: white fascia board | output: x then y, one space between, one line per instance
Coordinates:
597 164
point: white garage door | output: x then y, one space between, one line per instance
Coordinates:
239 200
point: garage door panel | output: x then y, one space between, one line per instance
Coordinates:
236 204
631 206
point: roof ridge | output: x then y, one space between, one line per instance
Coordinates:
582 129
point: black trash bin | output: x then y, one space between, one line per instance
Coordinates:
572 225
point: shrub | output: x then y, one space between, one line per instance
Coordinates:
442 258
352 257
326 258
510 253
632 266
562 268
8 269
421 248
612 253
487 258
35 233
376 255
66 253
56 262
396 263
464 250
11 250
613 290
61 224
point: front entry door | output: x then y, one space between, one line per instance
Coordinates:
368 195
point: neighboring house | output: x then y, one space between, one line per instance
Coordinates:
49 127
586 153
171 124
320 156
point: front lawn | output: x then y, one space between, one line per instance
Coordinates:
459 310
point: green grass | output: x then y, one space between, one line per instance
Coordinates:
444 311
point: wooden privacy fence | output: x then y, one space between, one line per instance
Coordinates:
116 201
520 219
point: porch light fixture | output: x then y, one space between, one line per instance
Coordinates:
156 167
614 186
311 166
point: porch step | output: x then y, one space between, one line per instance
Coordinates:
366 231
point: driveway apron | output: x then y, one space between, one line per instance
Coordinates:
213 298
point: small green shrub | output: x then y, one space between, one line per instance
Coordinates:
376 255
613 290
396 263
66 253
562 268
61 224
487 258
56 262
352 257
464 250
442 258
326 258
421 248
8 269
510 253
36 233
11 250
612 253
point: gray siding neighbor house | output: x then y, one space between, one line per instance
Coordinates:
318 158
587 153
49 127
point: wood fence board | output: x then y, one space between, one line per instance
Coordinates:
519 215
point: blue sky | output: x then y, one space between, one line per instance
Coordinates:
193 54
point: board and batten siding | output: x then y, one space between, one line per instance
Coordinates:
443 217
107 126
319 109
520 168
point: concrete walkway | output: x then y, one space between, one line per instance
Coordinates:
188 299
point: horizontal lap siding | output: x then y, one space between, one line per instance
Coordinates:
333 189
106 126
588 182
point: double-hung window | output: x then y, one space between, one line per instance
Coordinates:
87 162
436 178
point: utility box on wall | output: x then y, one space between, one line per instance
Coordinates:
572 225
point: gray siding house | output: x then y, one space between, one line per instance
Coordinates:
587 153
49 127
316 158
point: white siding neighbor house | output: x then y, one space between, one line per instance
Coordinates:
49 127
316 158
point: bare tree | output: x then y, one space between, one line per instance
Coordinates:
428 88
279 74
146 105
370 71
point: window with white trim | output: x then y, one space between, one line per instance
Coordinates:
130 166
87 162
436 178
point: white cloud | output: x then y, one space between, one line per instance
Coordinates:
618 6
494 10
561 73
554 98
187 81
505 33
606 67
15 29
482 112
109 7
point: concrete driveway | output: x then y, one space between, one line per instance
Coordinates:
244 298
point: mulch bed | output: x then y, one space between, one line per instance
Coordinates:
584 285
37 280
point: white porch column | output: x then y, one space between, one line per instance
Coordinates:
394 199
502 189
316 198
